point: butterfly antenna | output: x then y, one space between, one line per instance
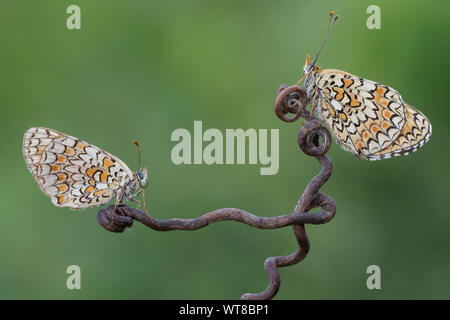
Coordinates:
139 151
331 22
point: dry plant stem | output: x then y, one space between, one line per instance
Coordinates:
289 101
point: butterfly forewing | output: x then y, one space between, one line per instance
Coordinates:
72 172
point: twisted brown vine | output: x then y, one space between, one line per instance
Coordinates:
292 100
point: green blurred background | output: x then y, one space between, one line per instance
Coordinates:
141 69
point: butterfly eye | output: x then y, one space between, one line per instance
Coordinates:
309 67
140 175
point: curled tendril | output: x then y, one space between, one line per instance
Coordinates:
116 221
291 99
309 138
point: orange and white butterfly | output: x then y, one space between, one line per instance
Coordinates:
367 118
76 174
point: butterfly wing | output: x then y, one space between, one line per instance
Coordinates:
415 133
72 172
366 117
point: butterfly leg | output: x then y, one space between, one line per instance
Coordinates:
140 201
313 103
133 198
119 197
303 77
145 203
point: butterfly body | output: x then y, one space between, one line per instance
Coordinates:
76 174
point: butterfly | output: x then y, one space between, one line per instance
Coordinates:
76 174
366 118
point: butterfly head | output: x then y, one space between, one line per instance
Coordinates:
309 66
142 177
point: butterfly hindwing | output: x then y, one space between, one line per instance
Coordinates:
415 133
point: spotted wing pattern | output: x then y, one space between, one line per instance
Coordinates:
367 118
415 133
72 172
